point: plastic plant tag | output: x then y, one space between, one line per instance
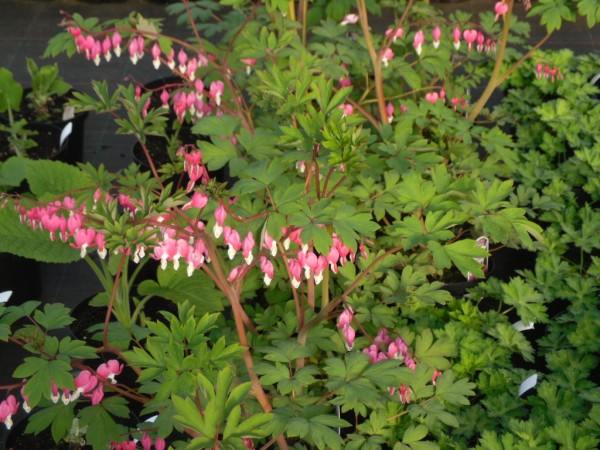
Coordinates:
68 113
529 383
66 132
482 242
151 419
4 296
520 326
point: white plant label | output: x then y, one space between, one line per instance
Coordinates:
68 113
520 326
529 383
4 296
66 132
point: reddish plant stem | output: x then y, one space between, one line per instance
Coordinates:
151 164
375 61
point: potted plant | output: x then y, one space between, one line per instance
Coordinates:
42 109
364 174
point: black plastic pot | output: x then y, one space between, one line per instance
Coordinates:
87 315
20 275
66 132
75 131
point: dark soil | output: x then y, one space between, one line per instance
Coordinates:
56 107
47 146
18 440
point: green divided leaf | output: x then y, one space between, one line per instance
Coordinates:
434 354
49 179
220 126
451 391
590 9
19 239
528 302
461 254
40 372
54 316
101 428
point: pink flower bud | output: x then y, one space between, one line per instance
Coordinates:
349 336
266 267
387 55
394 33
216 91
182 59
437 33
344 82
418 41
235 272
133 51
116 43
109 370
156 55
347 108
500 8
456 37
106 48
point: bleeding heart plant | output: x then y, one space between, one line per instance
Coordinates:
309 283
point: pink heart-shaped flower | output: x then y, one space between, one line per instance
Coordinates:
432 97
470 35
501 8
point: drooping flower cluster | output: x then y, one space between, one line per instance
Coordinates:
384 348
345 325
192 101
546 72
87 383
65 221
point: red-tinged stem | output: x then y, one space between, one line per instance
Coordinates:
237 218
375 61
525 57
193 25
257 389
336 185
152 166
364 112
493 81
9 387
